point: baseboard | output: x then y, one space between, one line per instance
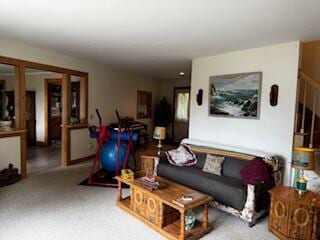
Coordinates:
42 144
80 160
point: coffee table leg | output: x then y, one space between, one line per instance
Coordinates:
182 225
119 191
205 216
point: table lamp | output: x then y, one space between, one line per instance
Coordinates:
302 159
160 134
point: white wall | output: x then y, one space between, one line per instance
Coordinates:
85 147
108 88
10 152
274 131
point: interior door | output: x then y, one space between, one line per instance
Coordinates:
180 128
54 109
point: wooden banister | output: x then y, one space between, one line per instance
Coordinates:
313 119
314 86
309 80
304 107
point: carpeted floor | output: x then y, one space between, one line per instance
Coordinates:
52 205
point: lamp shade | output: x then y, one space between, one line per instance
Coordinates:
159 133
303 158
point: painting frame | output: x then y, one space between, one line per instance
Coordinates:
234 76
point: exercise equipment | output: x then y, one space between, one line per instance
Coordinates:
109 155
113 152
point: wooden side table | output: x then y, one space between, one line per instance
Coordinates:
149 160
293 216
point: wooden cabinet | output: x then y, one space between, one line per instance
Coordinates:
152 209
145 205
293 216
138 201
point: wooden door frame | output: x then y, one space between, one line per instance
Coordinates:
56 81
34 115
174 107
20 110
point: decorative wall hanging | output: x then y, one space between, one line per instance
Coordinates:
274 95
235 95
199 97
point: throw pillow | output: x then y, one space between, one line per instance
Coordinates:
182 156
213 164
255 170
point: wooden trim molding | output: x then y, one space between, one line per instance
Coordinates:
12 133
44 67
20 111
23 152
77 126
80 160
66 112
84 99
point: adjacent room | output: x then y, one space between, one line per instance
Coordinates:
177 120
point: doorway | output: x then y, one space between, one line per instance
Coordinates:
43 120
181 103
53 110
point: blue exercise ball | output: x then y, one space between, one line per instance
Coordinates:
109 155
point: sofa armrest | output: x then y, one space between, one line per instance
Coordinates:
278 176
262 197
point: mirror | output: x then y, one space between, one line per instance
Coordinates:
144 102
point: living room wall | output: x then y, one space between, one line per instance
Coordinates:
273 132
109 89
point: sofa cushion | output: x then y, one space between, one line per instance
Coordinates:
213 164
232 166
181 156
201 159
225 190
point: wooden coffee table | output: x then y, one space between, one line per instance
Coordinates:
157 208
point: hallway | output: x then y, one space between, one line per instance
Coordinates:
42 159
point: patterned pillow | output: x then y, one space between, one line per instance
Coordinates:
213 164
182 156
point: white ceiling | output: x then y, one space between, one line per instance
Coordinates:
157 38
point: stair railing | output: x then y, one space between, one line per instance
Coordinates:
315 86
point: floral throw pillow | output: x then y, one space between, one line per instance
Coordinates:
182 156
213 164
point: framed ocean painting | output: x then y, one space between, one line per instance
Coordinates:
235 95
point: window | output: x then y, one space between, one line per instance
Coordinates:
182 109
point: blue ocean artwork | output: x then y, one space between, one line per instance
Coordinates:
235 95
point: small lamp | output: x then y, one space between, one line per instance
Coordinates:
302 159
160 134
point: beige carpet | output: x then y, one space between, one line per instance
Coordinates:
53 206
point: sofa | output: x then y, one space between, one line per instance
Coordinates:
228 191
